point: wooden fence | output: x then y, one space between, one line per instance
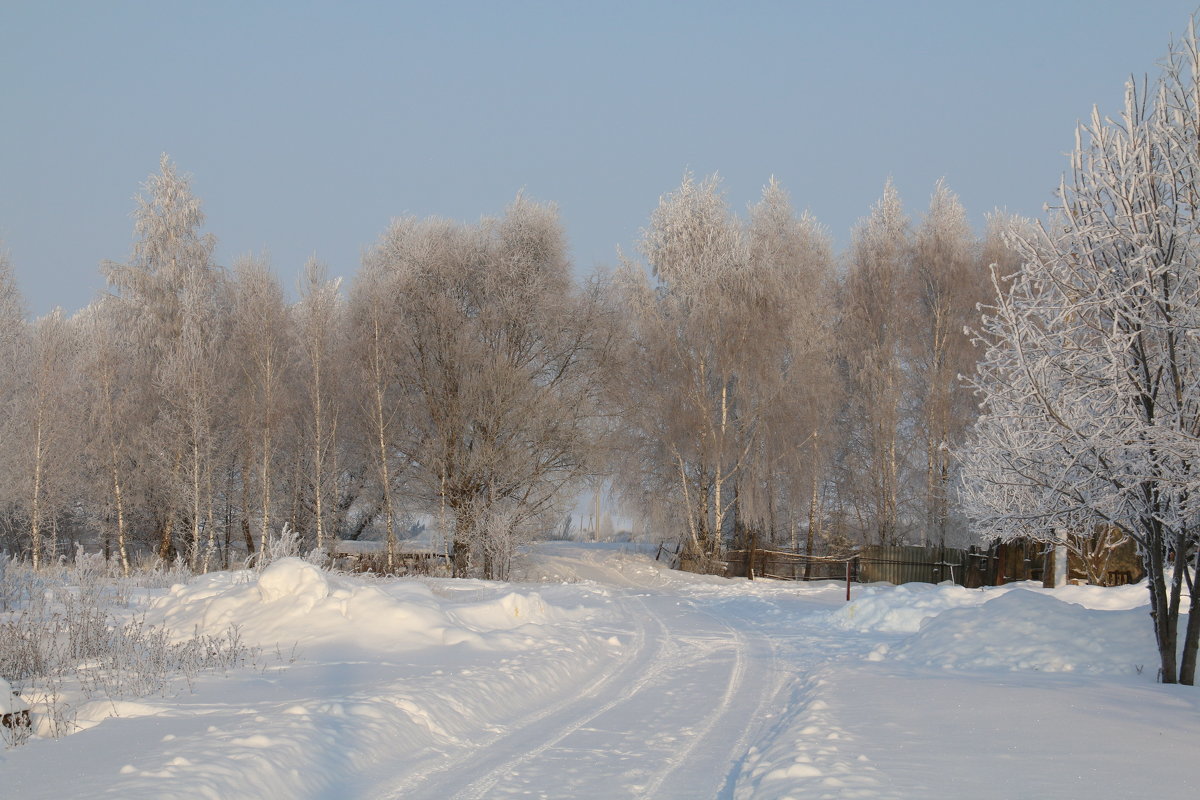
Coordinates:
1002 562
912 564
783 565
894 564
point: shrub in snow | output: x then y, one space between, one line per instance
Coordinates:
61 640
286 544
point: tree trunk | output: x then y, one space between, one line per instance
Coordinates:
244 518
751 552
461 549
119 501
719 479
194 555
318 471
211 546
1191 637
35 508
1164 627
264 477
166 543
813 517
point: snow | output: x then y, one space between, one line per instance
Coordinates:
901 609
602 674
1022 630
10 703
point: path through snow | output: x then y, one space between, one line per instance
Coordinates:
606 676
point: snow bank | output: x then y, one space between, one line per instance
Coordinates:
901 609
292 601
1087 629
504 612
1110 598
1024 630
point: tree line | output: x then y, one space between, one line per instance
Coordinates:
735 381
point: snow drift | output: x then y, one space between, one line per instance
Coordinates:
1023 630
292 601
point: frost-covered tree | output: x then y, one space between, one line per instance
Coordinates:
379 402
498 351
191 378
875 323
1091 378
168 297
687 334
116 422
46 437
785 373
945 282
728 372
260 344
317 325
13 337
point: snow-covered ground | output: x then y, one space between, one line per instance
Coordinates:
604 675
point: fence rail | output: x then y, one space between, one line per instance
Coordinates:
912 564
894 564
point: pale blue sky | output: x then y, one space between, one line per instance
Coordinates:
307 126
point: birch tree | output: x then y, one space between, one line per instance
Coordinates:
379 403
13 339
317 324
190 380
48 429
260 339
116 423
872 333
1091 377
686 336
786 368
167 297
945 282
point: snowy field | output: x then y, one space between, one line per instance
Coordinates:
602 675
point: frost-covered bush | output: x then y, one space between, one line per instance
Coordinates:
286 544
63 637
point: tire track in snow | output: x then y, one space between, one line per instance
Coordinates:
688 745
737 677
492 755
483 785
679 717
709 769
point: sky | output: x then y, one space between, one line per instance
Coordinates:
307 127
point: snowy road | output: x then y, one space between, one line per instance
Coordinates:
668 719
704 675
604 675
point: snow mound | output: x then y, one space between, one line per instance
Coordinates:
1022 630
506 611
295 580
294 602
1109 598
902 609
